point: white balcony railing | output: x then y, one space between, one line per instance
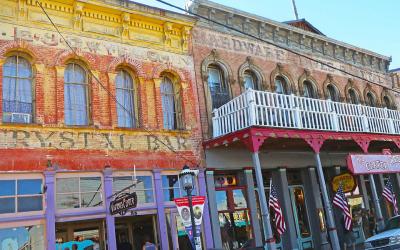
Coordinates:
266 109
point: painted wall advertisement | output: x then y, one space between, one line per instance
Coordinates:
184 211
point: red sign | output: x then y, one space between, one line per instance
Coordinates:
373 163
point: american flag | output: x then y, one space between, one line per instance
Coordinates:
390 196
274 204
341 202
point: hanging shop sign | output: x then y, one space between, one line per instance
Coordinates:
373 163
123 203
182 205
347 180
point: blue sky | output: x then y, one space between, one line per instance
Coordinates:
368 24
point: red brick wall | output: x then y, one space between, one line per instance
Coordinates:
293 65
48 64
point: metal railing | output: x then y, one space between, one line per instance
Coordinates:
259 108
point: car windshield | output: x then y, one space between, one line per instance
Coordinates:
393 223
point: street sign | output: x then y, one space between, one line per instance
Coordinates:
123 203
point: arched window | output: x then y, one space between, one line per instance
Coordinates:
18 100
387 102
353 97
76 95
370 100
309 90
125 96
281 86
171 104
332 93
250 80
218 88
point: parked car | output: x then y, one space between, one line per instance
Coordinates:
388 238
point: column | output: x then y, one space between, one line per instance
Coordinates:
252 203
162 223
212 203
363 189
110 220
396 186
289 238
314 205
268 235
378 211
328 208
206 214
49 176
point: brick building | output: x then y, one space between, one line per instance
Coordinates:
61 128
295 119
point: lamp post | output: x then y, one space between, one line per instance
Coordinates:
187 181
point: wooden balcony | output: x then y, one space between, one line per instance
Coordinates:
266 109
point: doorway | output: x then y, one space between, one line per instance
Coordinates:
131 232
84 235
301 218
234 217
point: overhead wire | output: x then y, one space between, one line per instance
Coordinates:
113 96
278 46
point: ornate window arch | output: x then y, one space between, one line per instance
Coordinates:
250 76
370 99
171 101
387 100
308 85
76 94
126 94
331 91
281 81
217 78
353 95
18 89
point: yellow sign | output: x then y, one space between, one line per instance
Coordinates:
347 180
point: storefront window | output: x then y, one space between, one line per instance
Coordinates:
172 188
78 192
144 189
22 195
22 238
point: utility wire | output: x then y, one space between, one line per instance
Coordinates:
278 46
112 96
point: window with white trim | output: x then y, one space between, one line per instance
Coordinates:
18 99
144 189
125 88
172 189
79 192
76 104
21 195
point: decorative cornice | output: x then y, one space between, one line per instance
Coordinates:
289 36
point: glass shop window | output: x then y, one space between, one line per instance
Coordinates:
172 187
22 238
144 189
78 192
24 195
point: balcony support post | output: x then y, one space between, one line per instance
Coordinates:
328 208
252 106
297 115
215 123
333 115
316 144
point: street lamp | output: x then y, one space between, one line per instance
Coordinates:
187 182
